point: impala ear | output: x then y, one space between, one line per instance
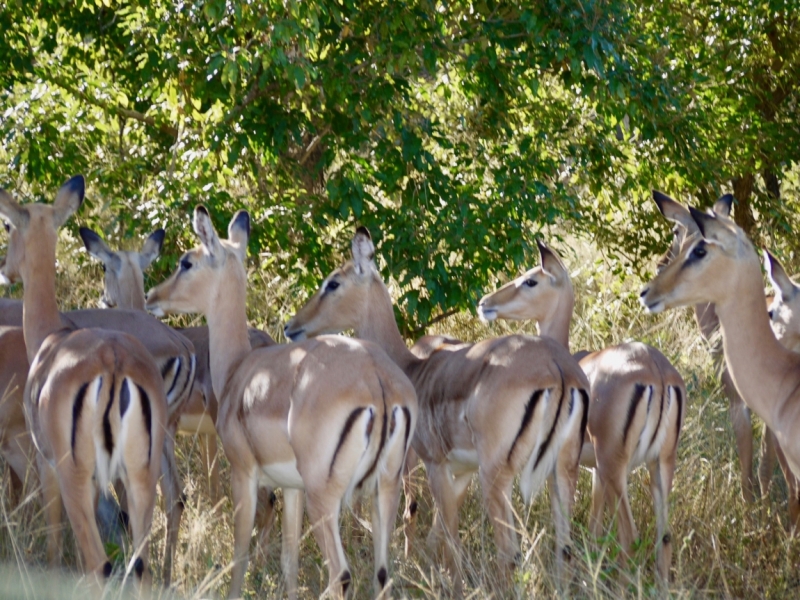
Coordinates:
11 210
724 205
784 287
711 228
674 211
551 263
239 232
68 200
152 248
96 246
205 231
363 250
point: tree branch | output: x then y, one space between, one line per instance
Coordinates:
433 321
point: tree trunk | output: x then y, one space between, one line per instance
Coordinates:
743 211
772 183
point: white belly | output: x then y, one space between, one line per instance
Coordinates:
463 460
280 475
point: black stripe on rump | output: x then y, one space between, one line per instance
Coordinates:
77 408
664 392
585 417
348 425
124 398
638 392
167 366
543 448
108 436
374 464
680 413
144 400
407 414
526 419
175 379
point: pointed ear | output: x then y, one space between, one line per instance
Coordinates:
151 249
674 211
363 250
784 287
11 210
239 232
551 263
723 205
205 231
95 245
68 200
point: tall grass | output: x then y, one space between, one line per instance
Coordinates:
723 547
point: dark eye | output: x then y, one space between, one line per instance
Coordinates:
332 285
7 226
771 314
698 252
531 282
104 267
186 264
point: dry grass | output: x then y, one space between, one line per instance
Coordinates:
723 547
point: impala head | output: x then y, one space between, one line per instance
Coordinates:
534 295
784 311
123 283
706 267
685 225
33 228
342 300
208 274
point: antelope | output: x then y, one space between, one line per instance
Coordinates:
331 417
94 399
502 407
706 317
123 287
636 409
719 265
174 355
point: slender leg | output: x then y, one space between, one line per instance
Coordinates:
412 506
616 487
142 496
290 543
445 498
768 455
265 518
323 512
243 489
563 483
598 504
77 491
496 486
51 495
793 487
661 473
173 500
743 430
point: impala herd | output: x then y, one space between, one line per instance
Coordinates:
98 396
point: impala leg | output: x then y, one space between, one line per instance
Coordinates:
173 500
265 517
563 483
78 491
598 504
141 489
769 453
290 542
661 473
244 492
411 506
323 512
792 485
51 498
616 487
496 486
446 498
743 430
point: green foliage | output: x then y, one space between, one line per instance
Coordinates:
454 131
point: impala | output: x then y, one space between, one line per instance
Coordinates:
720 265
123 287
706 317
174 355
331 416
636 409
502 407
94 399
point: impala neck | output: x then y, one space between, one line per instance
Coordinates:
556 324
764 372
40 316
378 325
227 330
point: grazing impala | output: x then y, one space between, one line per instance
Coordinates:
502 407
331 416
174 355
94 398
123 287
721 266
636 409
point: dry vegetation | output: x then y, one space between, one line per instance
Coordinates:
723 547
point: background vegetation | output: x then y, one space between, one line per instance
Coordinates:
456 132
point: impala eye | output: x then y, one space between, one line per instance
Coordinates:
7 225
699 252
186 264
531 282
332 285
